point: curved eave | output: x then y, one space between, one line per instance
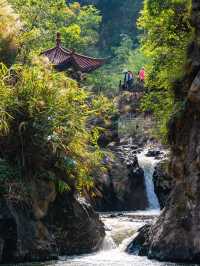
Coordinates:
87 64
63 58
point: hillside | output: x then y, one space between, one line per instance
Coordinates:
118 18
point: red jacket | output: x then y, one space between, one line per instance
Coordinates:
142 74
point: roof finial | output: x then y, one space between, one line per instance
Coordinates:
58 39
73 51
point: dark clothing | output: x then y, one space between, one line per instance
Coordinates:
128 80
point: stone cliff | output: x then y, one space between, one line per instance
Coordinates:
122 186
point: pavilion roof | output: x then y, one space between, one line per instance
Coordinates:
63 58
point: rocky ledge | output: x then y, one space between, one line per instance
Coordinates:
46 226
122 185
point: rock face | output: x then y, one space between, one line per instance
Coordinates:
176 234
154 153
76 227
110 132
22 236
110 129
163 182
46 227
122 186
140 244
129 102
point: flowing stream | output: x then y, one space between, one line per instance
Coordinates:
120 230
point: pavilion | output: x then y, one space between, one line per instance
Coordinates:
63 59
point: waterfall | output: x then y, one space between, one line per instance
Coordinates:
120 231
148 165
108 243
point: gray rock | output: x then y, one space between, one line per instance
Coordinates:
22 236
46 227
163 182
122 188
154 153
76 227
140 244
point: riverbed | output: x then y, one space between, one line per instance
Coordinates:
120 228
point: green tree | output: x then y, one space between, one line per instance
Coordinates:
167 33
43 125
114 11
44 129
108 77
42 19
118 18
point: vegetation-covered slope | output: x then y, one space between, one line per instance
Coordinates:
175 236
167 33
118 19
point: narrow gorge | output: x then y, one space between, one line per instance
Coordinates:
100 132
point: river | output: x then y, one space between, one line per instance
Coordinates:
120 229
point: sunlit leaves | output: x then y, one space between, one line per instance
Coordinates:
43 121
43 19
167 33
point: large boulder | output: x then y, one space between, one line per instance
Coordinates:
154 153
121 187
135 196
140 243
76 227
109 128
45 225
22 236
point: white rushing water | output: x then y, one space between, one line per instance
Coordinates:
119 232
148 164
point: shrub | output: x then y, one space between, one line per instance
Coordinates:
43 117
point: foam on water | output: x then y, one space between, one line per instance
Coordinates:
113 255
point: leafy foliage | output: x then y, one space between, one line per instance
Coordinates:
107 78
43 125
78 25
112 30
167 32
44 115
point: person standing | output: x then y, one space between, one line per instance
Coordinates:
130 80
125 85
142 75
